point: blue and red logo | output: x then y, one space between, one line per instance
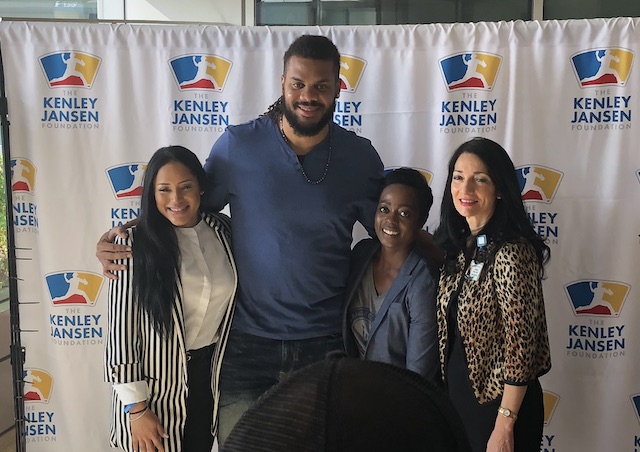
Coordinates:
23 176
351 70
200 72
608 66
470 70
597 298
538 183
38 385
70 69
126 179
74 287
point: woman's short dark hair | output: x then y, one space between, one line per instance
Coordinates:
416 180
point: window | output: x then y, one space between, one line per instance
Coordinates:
49 9
589 9
387 12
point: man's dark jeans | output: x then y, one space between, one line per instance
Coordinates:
253 364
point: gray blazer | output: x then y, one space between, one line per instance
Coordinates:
404 332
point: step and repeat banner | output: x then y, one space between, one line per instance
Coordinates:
89 104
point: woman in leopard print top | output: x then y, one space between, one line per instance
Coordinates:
492 328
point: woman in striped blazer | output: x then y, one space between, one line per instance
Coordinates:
170 313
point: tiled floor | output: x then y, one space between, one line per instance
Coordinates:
8 442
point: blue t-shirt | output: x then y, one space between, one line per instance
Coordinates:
291 239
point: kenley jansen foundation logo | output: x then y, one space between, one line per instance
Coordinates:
599 302
200 72
351 70
198 76
539 185
70 69
72 287
470 70
23 184
348 113
23 176
66 108
597 297
602 108
472 75
37 385
40 423
603 67
550 403
126 179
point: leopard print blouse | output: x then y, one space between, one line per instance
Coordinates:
501 319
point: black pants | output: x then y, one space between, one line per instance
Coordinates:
197 429
479 420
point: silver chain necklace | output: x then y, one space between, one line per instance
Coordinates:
304 173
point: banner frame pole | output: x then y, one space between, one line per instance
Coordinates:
17 351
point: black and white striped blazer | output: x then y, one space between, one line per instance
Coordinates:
135 352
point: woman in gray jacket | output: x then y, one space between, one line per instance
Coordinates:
390 306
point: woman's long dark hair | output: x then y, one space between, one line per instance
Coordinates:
156 256
509 222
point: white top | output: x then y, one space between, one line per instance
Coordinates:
206 290
207 284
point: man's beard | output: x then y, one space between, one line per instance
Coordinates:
312 129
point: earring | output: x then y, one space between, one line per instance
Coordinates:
499 197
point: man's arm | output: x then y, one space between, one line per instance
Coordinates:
107 251
429 249
218 169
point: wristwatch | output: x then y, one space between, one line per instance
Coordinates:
506 412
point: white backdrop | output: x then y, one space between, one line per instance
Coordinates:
89 104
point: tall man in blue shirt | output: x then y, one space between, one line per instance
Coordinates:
296 183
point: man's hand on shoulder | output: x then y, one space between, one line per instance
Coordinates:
429 248
107 252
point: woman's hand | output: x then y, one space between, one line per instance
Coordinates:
147 432
501 439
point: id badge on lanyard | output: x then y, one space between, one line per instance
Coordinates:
475 268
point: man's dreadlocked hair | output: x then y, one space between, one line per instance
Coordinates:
312 47
274 110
